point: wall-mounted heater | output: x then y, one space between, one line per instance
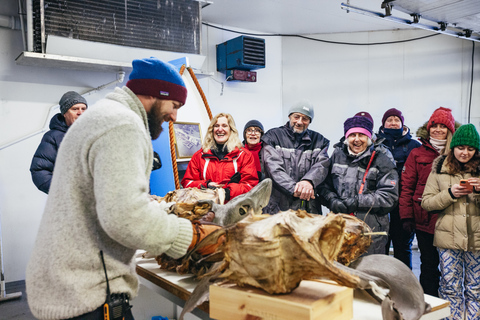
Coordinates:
238 56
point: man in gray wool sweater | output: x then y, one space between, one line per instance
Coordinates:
99 200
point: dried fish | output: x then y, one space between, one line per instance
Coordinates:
275 253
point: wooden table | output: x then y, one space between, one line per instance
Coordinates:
177 288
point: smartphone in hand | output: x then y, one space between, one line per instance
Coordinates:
466 184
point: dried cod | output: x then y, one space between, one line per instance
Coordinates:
275 253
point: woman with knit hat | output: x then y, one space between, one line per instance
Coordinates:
394 134
362 179
252 133
452 192
435 136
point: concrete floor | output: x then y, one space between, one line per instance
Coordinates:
18 309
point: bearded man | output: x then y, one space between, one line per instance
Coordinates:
99 211
296 160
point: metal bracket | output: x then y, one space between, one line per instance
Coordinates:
416 17
388 7
443 25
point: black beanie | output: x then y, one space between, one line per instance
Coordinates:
252 123
70 99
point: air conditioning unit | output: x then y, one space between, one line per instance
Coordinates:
241 53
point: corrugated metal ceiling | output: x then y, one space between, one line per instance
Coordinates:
460 14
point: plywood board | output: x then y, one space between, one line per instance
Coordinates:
312 300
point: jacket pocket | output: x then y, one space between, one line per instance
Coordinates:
421 215
371 181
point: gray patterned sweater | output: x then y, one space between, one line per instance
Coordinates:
99 200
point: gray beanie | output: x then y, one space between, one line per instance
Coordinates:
303 107
70 99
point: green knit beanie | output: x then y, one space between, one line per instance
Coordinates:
466 135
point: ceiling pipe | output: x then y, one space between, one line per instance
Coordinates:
10 22
462 34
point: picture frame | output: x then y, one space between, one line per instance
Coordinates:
188 139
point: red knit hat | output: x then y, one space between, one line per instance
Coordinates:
444 116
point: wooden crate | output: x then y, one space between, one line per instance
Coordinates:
312 300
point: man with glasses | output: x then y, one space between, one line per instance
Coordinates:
296 159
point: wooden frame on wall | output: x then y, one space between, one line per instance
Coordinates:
188 139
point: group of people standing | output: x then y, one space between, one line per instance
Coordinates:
397 185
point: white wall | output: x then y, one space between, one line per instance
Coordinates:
261 100
416 77
28 93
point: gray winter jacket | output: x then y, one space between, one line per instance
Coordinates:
289 158
380 191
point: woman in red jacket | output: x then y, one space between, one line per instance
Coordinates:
222 162
435 136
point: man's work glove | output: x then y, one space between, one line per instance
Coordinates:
337 206
351 204
408 225
200 231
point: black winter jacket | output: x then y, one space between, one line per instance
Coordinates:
399 147
43 161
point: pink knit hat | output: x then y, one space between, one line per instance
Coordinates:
444 116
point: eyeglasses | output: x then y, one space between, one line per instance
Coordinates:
254 131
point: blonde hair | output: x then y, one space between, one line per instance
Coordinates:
233 140
446 150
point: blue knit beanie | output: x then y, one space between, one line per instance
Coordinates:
153 77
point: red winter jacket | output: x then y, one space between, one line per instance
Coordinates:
414 177
206 167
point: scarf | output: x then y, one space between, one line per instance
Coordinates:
439 145
254 150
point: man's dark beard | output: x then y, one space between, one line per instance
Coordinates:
155 120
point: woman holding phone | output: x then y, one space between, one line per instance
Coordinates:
453 193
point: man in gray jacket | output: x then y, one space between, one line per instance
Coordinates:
99 200
296 160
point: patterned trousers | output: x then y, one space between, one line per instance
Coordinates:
460 282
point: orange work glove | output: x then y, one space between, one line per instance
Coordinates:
200 231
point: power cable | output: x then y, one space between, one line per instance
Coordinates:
319 40
471 81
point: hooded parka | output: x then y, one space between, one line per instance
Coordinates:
458 224
413 180
380 192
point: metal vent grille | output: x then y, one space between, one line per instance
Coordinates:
254 51
170 25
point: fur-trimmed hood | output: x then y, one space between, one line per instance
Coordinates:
422 132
